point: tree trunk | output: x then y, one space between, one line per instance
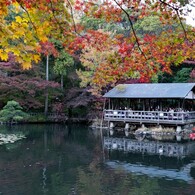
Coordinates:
46 103
47 79
62 82
47 68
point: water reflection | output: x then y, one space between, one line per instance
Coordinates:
61 159
46 161
152 158
170 149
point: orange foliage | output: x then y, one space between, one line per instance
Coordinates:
125 56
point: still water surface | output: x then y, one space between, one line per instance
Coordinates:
61 159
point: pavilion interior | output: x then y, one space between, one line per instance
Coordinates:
151 104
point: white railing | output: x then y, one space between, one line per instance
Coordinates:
149 116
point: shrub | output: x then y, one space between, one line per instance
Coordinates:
12 112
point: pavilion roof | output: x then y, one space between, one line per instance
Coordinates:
153 90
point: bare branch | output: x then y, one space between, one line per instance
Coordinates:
72 15
176 9
33 25
132 27
55 18
74 23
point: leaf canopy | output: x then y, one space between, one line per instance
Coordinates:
140 45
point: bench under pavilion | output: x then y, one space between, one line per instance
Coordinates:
170 104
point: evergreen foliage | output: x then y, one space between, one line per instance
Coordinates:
182 75
12 112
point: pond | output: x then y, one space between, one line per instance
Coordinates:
74 159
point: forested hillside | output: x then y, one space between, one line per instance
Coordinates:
60 56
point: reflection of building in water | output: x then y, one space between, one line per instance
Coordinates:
173 161
182 174
150 147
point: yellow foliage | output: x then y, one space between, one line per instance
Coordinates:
26 65
18 19
36 58
16 52
32 24
3 8
3 55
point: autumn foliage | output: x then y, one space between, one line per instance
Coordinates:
27 28
27 87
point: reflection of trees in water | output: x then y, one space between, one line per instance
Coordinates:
46 158
74 166
60 185
89 182
97 179
101 181
145 186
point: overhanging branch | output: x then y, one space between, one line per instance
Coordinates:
132 27
33 25
176 9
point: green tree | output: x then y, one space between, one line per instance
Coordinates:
182 75
100 23
12 112
63 61
149 25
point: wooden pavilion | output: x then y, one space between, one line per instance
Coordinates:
158 103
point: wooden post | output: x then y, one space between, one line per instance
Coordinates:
127 126
179 129
111 125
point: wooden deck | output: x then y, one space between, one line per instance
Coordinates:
154 117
